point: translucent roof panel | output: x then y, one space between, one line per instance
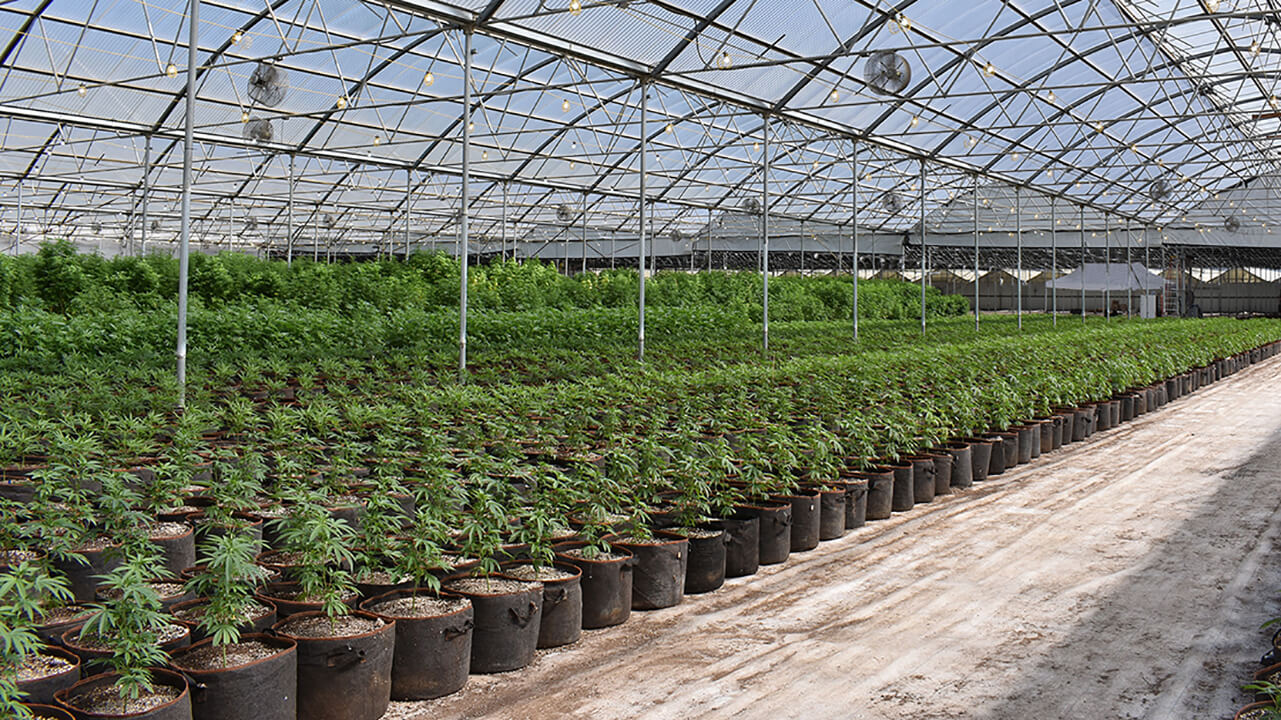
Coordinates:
1140 111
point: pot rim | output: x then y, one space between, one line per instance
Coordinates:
175 680
320 613
264 638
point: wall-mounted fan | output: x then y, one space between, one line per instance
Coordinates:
1159 188
258 130
268 84
887 73
893 203
564 213
97 227
751 206
155 225
1232 223
330 220
251 224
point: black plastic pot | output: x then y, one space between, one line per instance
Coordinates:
923 478
1083 423
831 514
177 709
1028 436
659 578
41 690
1010 441
562 619
264 689
1127 407
606 586
343 678
432 654
880 492
1067 421
775 532
805 519
962 475
855 503
904 494
705 570
742 542
505 634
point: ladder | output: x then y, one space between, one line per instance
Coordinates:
1170 293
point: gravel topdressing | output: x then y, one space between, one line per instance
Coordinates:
529 572
324 627
419 607
217 657
490 586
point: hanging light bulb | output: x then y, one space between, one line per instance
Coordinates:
484 154
916 119
378 139
989 70
1098 126
575 7
1050 96
904 22
836 95
571 164
756 146
171 70
1212 5
82 90
1016 157
471 125
244 116
724 60
1255 47
342 102
668 129
236 37
1272 100
564 105
429 79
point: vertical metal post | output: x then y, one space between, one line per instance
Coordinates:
1054 263
923 246
1147 264
1129 272
1018 242
765 236
315 235
466 205
17 230
802 248
146 195
854 230
1082 263
584 232
1107 270
502 252
709 239
976 252
193 21
289 222
640 262
409 206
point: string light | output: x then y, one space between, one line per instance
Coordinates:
756 146
1212 5
724 61
836 95
564 105
82 90
1255 47
378 140
575 7
916 119
236 37
989 70
244 116
484 154
668 129
171 70
342 102
429 79
1050 96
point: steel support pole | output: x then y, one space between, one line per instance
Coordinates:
854 230
709 240
146 195
193 21
765 237
17 230
409 206
976 252
1054 263
1018 242
466 205
802 246
502 237
1082 263
1107 270
922 247
1129 272
1147 263
289 222
640 260
584 232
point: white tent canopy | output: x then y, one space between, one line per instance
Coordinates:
1097 277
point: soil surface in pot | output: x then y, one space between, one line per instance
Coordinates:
96 643
39 665
220 657
418 607
195 613
529 572
582 553
490 586
165 530
319 626
106 700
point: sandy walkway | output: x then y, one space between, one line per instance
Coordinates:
1123 577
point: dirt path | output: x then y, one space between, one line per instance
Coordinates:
1123 577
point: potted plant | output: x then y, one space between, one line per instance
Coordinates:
30 671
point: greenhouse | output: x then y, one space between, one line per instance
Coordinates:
416 359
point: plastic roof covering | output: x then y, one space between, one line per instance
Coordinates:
1079 103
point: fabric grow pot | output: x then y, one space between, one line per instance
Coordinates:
880 493
980 457
189 613
831 514
904 495
962 475
705 570
774 532
742 542
40 690
855 503
344 671
606 583
48 712
996 462
923 478
1082 423
1027 436
262 688
175 705
562 620
942 471
432 653
178 548
659 578
507 616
